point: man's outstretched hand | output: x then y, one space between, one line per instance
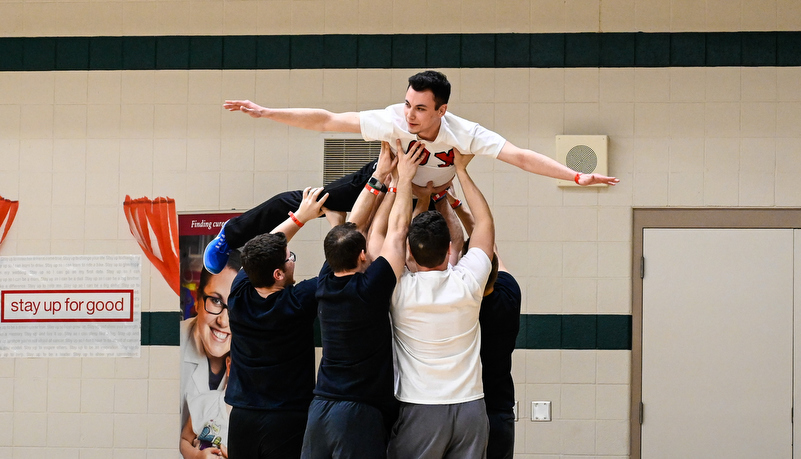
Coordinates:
244 106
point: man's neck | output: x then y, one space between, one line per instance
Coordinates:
264 292
432 133
441 267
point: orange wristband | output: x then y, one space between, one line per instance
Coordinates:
371 189
392 189
576 178
295 219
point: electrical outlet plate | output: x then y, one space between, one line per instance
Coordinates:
541 411
516 410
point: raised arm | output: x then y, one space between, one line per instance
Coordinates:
365 204
378 228
454 227
310 208
464 214
537 163
314 119
394 248
483 236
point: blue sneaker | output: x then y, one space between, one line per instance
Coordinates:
215 257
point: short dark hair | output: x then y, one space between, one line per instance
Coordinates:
493 275
429 239
433 81
261 256
342 246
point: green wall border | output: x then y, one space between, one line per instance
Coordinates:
568 50
537 331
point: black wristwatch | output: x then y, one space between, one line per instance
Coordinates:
377 185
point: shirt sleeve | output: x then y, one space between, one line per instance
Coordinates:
507 286
376 124
238 289
486 142
304 293
379 280
477 265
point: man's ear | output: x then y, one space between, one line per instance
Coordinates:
278 275
442 109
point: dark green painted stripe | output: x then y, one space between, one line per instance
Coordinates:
686 49
161 328
537 331
575 331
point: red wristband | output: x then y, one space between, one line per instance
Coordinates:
456 204
439 196
371 189
576 178
392 189
295 219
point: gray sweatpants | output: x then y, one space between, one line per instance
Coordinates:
458 431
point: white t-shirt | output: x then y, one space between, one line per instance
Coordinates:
437 339
468 137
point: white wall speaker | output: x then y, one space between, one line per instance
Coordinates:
582 153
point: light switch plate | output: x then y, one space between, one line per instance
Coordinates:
516 410
541 411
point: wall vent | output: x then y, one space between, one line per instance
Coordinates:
582 153
343 155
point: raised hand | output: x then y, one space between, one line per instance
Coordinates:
408 162
461 161
386 163
310 207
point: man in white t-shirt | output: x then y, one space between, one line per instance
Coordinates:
437 340
423 117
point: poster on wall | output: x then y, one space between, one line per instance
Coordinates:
195 231
70 306
205 335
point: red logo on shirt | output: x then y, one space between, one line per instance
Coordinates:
445 156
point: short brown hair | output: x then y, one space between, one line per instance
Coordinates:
342 246
261 256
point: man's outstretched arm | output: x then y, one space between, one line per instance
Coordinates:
538 163
314 119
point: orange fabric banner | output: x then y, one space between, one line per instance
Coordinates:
154 225
8 210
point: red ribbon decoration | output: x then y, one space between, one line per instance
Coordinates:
8 210
156 220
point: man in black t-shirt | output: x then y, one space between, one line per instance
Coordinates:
500 323
354 405
272 344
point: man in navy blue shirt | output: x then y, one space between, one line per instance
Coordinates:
354 405
500 323
272 344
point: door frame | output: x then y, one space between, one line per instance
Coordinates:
684 218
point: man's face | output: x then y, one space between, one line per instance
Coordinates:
421 116
215 333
